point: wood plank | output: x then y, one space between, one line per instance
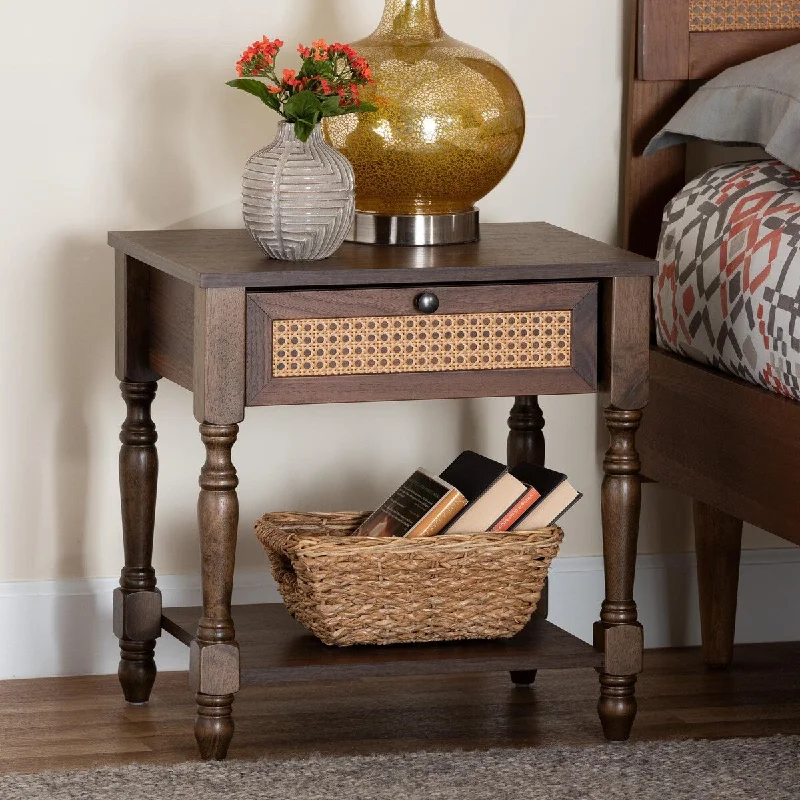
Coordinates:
421 386
712 52
625 356
497 297
171 325
725 442
663 40
132 295
46 727
275 648
219 355
532 251
650 183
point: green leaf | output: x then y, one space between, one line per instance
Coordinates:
305 110
303 129
305 106
258 89
331 108
311 68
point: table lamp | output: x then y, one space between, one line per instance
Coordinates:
449 126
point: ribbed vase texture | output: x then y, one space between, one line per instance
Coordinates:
298 197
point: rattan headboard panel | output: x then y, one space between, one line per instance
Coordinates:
736 15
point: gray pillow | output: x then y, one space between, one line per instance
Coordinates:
754 103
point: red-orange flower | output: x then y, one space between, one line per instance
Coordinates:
341 73
345 50
256 58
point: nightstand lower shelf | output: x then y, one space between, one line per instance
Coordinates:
277 649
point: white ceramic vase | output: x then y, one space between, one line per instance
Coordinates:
298 197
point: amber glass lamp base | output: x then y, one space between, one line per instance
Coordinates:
449 125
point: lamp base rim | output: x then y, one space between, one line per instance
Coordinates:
418 230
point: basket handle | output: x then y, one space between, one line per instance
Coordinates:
277 543
275 539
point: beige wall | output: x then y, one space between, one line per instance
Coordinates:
115 115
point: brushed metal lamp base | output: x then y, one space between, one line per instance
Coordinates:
421 230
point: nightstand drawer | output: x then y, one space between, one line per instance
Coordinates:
438 341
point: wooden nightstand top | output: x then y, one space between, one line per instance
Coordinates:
529 251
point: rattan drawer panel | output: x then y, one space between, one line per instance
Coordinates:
439 343
739 15
334 346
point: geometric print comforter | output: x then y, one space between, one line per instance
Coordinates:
728 289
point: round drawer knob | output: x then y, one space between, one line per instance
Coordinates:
427 303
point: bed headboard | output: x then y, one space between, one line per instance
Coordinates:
676 44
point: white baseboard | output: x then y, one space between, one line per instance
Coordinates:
64 627
666 594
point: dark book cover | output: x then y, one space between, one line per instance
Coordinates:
542 479
472 474
421 506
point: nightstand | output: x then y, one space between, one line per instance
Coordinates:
529 310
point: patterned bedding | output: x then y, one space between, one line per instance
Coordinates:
728 288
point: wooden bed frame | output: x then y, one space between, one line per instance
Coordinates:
730 445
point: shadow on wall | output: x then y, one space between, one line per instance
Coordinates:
665 527
80 318
159 181
469 414
158 176
666 524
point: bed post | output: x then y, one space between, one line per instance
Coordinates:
658 85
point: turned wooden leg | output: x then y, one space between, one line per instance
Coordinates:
526 444
718 540
618 633
214 655
137 601
526 432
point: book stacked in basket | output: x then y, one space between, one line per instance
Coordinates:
462 555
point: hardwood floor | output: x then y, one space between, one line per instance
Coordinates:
73 723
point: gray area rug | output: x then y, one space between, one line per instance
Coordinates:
705 770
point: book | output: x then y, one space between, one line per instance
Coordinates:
522 506
422 506
476 475
485 512
472 474
557 496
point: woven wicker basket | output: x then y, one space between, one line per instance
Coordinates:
354 590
